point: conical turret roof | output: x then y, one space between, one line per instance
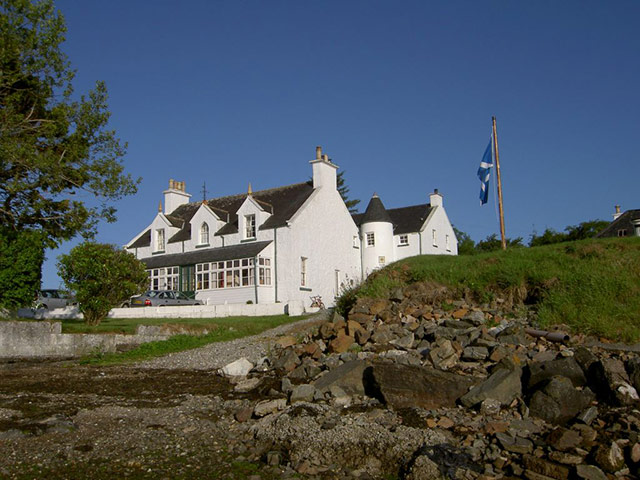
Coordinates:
375 211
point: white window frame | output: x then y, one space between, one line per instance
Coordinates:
434 238
160 240
382 260
403 240
371 239
250 226
304 280
204 233
447 243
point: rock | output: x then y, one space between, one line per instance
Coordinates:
610 457
490 406
503 385
362 336
288 361
546 468
563 439
544 371
514 444
353 327
247 385
266 407
302 393
443 356
286 341
404 342
475 353
411 386
243 414
239 368
423 468
588 415
635 453
558 402
610 381
348 376
590 472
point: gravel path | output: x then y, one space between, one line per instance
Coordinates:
217 355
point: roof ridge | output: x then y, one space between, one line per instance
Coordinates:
241 195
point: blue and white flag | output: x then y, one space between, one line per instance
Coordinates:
484 173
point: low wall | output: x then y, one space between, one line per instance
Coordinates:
20 340
188 311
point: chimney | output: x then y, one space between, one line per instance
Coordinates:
175 196
435 199
324 171
617 213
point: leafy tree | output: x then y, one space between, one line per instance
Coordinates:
548 237
52 144
344 193
492 243
21 257
101 276
585 229
466 246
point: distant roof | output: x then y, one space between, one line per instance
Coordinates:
621 224
143 240
232 252
404 219
281 202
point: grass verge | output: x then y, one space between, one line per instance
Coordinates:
221 330
592 285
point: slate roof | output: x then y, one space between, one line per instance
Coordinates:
232 252
375 211
281 202
623 222
404 219
143 240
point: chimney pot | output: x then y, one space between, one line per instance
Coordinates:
325 157
170 183
318 152
617 208
435 190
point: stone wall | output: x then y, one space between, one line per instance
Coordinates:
22 340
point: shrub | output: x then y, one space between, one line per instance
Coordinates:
101 276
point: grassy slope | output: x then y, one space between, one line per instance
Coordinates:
593 285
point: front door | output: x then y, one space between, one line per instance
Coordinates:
188 279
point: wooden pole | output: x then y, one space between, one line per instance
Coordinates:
495 149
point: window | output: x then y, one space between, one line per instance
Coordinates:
264 271
447 243
303 271
404 240
371 239
434 238
249 226
160 240
204 234
622 232
356 241
164 278
382 260
232 273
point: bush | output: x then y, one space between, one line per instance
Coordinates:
21 257
101 276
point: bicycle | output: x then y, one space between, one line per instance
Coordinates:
317 302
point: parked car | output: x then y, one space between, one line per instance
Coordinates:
162 298
52 298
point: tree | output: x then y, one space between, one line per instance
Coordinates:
344 191
493 243
21 257
52 145
548 237
573 232
101 276
466 246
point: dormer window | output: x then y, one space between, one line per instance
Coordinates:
160 243
249 226
204 234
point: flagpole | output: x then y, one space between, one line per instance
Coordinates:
495 147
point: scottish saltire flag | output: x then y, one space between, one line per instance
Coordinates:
484 173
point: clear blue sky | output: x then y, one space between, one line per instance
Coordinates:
400 94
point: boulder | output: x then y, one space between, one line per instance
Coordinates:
611 383
302 393
341 343
239 368
559 401
348 376
503 385
590 472
539 372
404 386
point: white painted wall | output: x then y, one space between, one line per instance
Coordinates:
384 246
438 221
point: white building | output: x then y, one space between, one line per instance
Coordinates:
282 244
